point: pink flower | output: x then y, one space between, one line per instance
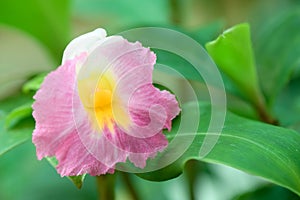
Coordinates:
100 107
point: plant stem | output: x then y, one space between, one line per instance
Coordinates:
175 12
263 113
265 117
192 171
130 186
106 187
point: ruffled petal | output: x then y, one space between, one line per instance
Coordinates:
140 144
148 97
150 110
65 114
74 159
52 109
55 133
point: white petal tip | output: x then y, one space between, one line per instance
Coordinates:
83 43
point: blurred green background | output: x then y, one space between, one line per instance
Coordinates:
33 35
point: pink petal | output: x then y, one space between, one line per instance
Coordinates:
56 133
132 65
74 159
52 109
141 148
64 128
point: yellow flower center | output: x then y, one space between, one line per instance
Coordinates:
103 106
102 98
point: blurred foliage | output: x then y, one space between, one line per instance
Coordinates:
33 35
48 21
287 106
277 47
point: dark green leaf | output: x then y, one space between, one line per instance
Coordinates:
10 103
178 63
268 192
256 148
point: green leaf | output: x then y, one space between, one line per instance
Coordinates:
18 114
16 127
48 21
10 103
34 84
253 147
232 52
77 180
277 47
268 192
10 138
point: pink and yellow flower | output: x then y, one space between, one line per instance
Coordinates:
100 107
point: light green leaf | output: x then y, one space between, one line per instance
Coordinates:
256 148
18 114
77 180
34 84
232 52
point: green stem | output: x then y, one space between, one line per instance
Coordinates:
130 186
106 187
263 112
175 12
265 116
192 170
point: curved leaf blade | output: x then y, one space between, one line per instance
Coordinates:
232 51
256 148
18 114
34 84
